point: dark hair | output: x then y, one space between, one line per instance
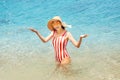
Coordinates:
63 27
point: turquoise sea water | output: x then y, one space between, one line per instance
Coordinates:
24 56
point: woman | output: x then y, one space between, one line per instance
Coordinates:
60 38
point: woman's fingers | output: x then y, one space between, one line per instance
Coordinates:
84 36
32 29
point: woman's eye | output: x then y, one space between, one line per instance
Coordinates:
58 22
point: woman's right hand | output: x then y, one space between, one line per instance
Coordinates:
33 30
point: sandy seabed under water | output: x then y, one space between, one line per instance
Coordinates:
83 67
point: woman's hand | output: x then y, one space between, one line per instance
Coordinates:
84 36
33 30
40 36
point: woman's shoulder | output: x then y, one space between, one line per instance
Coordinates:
68 33
52 32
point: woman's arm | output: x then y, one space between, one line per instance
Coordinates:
76 43
41 37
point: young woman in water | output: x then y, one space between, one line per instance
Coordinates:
60 37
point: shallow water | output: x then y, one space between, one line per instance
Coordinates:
24 56
86 66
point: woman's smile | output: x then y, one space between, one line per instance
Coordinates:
57 27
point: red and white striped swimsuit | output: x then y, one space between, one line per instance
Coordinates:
59 44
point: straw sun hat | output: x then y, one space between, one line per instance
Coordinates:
54 19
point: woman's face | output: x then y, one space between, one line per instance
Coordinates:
56 25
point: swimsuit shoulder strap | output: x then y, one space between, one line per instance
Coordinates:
64 33
54 33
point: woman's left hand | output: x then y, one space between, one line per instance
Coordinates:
84 36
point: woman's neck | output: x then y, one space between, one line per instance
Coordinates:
60 31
